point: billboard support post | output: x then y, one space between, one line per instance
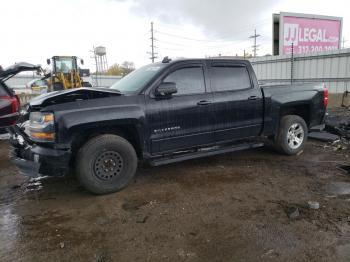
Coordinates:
292 65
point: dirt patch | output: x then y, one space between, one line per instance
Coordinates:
232 207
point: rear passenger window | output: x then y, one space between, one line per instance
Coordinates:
188 80
225 78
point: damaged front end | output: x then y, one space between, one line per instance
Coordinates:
33 158
35 149
71 95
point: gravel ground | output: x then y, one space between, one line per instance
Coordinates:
244 206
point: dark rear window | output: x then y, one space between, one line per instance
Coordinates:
3 92
228 78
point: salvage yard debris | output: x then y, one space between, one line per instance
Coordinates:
338 122
345 168
313 205
323 136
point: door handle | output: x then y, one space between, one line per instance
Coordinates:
253 98
204 103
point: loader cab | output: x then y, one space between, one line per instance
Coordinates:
65 73
64 64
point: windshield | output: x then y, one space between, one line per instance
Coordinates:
64 65
137 80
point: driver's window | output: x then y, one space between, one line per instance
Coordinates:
188 80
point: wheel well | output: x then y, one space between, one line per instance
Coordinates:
300 110
129 132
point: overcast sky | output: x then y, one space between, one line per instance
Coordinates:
35 30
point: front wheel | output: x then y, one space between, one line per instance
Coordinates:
106 164
292 135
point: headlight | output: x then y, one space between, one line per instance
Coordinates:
42 126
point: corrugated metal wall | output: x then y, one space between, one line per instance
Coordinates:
332 68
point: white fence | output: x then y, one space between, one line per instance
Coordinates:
104 81
20 81
332 68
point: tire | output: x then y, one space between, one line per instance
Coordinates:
106 164
292 135
87 84
58 87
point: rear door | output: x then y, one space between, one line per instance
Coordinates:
9 106
238 101
185 119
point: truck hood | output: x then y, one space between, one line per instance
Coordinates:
17 68
71 95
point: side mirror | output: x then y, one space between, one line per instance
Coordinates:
82 61
166 89
48 61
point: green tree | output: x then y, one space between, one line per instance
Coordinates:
127 67
115 70
121 70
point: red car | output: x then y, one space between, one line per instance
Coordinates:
9 102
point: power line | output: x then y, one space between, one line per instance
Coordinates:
183 37
203 45
196 40
246 29
255 46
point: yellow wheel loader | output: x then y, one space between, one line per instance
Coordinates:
65 73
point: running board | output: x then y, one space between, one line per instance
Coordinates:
203 153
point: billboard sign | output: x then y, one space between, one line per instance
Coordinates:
309 33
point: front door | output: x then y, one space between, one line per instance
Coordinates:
184 119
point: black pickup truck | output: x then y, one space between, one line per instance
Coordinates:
162 113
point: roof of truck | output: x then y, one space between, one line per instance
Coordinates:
215 59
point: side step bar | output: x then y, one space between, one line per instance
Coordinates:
204 153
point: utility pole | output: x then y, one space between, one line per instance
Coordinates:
344 41
255 46
153 54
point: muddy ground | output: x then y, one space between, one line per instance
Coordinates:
232 207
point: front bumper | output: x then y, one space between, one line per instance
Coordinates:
34 160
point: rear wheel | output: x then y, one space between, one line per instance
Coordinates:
292 135
106 164
58 87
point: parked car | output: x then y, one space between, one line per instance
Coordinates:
37 86
9 102
163 113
